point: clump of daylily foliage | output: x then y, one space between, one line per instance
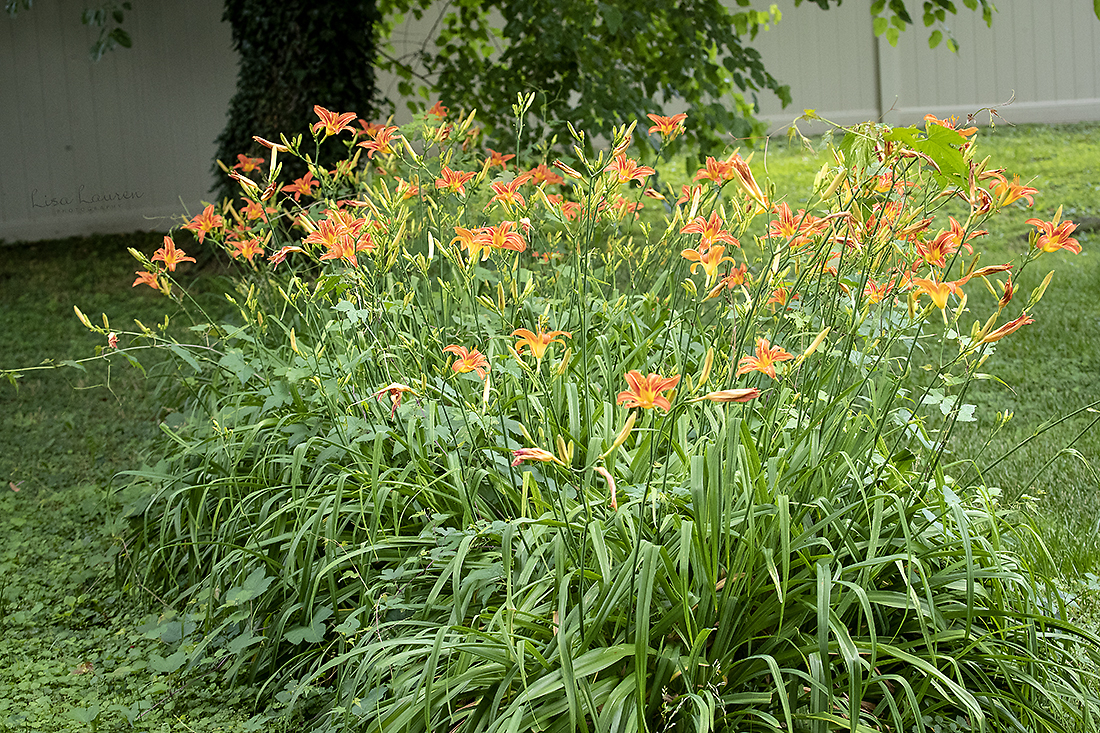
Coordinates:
497 442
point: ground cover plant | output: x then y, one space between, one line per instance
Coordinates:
71 655
402 501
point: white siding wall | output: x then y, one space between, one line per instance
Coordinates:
116 145
126 143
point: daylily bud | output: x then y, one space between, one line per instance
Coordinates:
708 362
834 184
564 363
818 340
1037 293
83 318
622 436
1008 328
731 395
565 452
610 485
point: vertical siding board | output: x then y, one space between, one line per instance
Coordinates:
825 57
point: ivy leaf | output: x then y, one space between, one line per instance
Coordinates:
612 17
121 37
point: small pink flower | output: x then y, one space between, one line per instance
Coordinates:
112 340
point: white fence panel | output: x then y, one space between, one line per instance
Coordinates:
1044 55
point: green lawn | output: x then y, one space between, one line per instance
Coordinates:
70 645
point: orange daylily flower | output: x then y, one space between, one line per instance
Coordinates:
453 181
170 256
709 231
247 248
714 170
395 391
496 158
571 210
936 290
781 295
477 248
303 185
938 250
508 193
875 292
406 189
541 174
501 236
205 222
622 207
255 210
738 275
951 123
710 259
1010 327
961 238
148 278
645 392
669 127
628 170
1055 234
331 122
368 128
467 361
534 454
246 164
1007 193
798 228
765 360
381 139
345 247
277 258
538 342
438 110
688 193
885 183
342 235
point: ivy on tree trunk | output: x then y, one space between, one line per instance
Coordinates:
295 54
